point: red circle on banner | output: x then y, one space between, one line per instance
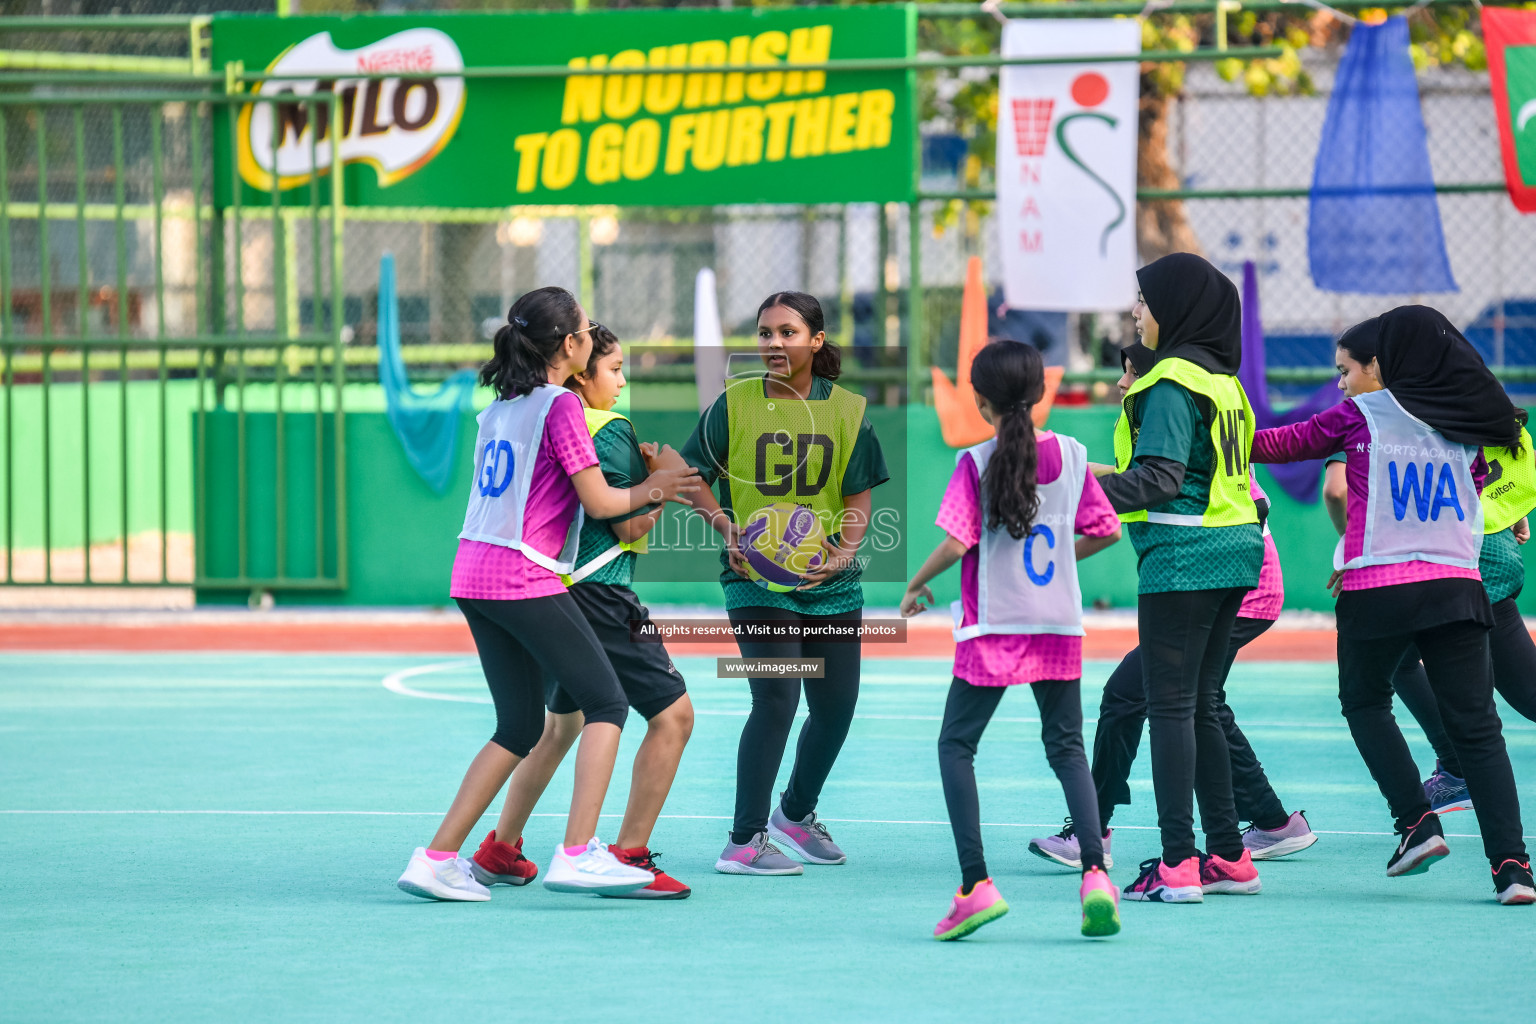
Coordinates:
1090 89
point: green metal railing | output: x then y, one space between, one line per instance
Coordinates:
231 375
80 353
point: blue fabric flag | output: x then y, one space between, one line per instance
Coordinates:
427 423
1374 224
1301 480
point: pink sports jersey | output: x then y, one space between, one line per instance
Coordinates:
1342 428
1265 600
490 572
999 659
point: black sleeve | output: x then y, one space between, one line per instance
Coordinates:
1152 481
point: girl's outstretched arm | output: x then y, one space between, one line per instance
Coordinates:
945 555
1086 546
602 501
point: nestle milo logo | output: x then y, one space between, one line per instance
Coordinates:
396 124
1520 85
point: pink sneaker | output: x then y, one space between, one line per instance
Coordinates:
967 913
1101 904
1160 883
1232 877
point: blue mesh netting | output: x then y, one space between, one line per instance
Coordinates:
1374 223
427 423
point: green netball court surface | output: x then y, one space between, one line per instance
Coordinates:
216 837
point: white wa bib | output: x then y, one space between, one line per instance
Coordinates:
506 448
1422 505
1030 585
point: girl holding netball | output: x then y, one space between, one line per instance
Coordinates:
535 474
788 432
1410 575
1011 510
1181 483
600 586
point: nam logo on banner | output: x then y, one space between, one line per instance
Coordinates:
416 133
1511 39
1066 166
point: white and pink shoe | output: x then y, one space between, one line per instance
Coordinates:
1165 883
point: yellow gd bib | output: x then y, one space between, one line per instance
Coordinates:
790 449
1231 503
1509 493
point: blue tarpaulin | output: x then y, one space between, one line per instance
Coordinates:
427 423
1374 225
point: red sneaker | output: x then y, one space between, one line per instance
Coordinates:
664 888
498 863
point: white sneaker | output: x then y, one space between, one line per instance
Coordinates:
594 870
441 879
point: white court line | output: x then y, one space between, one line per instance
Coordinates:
395 683
672 817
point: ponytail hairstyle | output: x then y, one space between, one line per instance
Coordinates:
604 341
1011 377
828 360
526 344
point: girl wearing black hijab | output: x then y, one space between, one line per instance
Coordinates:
1274 833
1414 533
1182 486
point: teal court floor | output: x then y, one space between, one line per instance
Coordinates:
199 837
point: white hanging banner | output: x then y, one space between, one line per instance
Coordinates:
1066 166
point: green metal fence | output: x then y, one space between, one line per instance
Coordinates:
175 375
129 327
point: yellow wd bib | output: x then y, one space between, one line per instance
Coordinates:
597 419
1509 493
1231 504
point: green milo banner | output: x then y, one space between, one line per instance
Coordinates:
417 132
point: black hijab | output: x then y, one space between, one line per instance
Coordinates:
1198 312
1139 358
1438 376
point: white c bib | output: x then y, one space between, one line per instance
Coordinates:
1029 585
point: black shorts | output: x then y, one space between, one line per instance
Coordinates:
650 682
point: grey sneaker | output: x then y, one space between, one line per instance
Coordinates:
1294 836
1064 850
759 857
807 838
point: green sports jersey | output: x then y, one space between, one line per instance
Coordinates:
1502 570
623 466
1177 558
708 451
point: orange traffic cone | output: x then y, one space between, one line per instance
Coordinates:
959 420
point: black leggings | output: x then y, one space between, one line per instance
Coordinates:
1456 660
518 642
1123 710
830 700
966 714
1185 640
1514 677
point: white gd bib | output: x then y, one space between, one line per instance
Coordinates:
1030 585
1423 504
505 450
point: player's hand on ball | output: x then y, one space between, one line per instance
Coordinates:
732 534
912 602
833 561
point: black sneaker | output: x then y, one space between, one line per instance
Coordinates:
1422 845
1512 881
